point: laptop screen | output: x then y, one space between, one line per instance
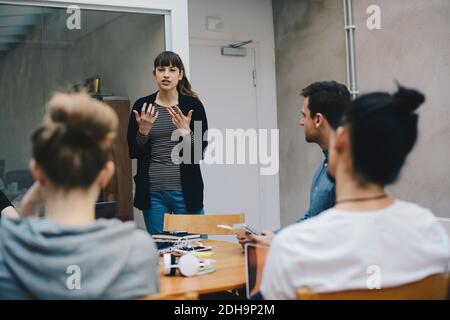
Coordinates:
255 257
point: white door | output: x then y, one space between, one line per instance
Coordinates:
226 88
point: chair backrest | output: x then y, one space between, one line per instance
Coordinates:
163 296
434 287
201 223
446 224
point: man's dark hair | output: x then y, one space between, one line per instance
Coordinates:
328 98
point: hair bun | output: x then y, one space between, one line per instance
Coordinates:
407 100
82 118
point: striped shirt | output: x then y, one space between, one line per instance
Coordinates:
163 174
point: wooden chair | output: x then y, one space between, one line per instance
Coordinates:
434 287
202 224
162 296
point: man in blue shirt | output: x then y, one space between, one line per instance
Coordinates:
323 106
322 193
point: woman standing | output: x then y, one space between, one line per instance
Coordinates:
164 185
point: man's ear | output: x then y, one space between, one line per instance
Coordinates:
106 174
318 120
36 171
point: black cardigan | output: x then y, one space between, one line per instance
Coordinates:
4 202
191 177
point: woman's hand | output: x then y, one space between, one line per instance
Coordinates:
10 212
181 121
265 238
32 200
146 119
244 239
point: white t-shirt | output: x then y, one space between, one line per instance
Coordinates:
341 250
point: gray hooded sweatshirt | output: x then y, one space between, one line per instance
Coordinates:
107 259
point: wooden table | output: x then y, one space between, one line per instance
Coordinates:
230 272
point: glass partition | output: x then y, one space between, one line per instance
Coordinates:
48 49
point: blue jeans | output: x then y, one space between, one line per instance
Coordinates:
164 202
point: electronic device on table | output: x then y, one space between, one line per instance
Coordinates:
188 265
188 249
178 242
240 229
182 247
175 235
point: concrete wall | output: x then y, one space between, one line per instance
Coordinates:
412 47
309 46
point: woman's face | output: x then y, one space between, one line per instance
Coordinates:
167 77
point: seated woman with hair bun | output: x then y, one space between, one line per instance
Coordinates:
368 239
68 254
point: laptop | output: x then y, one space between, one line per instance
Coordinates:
255 258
